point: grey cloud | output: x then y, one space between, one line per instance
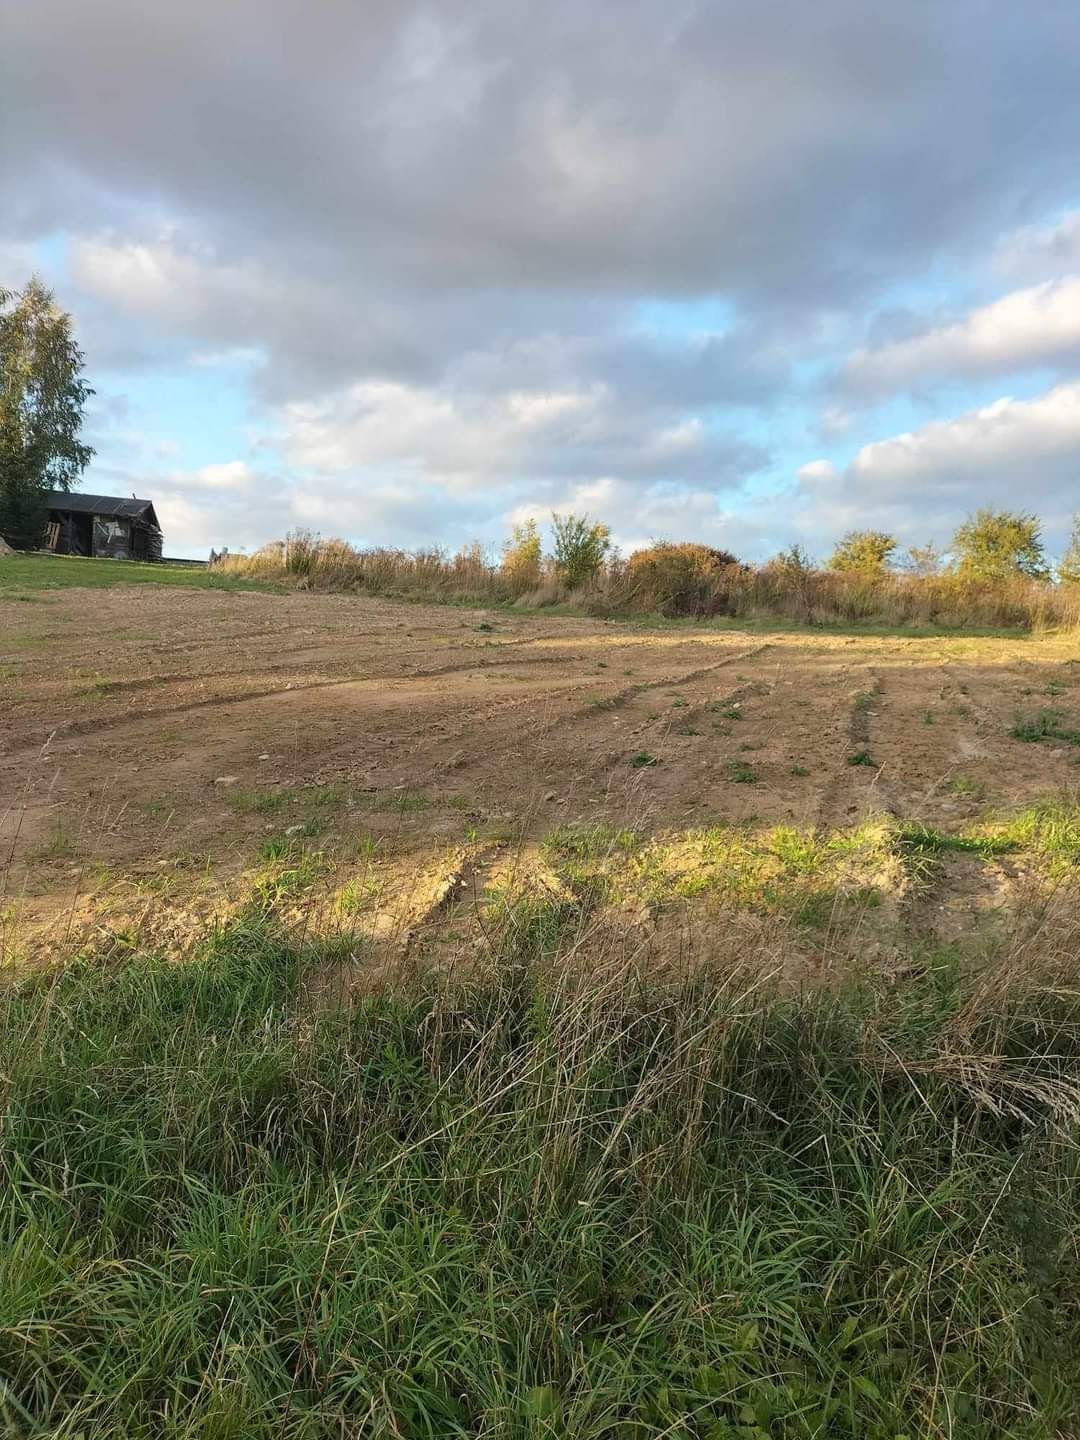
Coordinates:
775 150
463 204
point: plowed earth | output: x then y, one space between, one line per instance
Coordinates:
148 730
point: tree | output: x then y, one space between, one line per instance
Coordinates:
42 395
795 560
522 559
862 552
1069 565
581 546
999 545
922 561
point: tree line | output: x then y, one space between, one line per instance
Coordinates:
989 545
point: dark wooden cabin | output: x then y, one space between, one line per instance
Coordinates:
103 525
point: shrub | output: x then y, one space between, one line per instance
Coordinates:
522 558
581 546
1069 567
679 579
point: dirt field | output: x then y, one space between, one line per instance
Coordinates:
153 738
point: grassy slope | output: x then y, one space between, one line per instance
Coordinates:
532 1205
53 572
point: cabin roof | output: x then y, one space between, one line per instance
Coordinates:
77 502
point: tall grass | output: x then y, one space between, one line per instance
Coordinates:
670 580
555 1196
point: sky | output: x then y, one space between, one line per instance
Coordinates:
750 274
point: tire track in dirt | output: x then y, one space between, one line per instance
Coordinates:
565 753
854 786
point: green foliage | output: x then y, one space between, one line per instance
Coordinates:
999 545
863 552
795 560
522 558
1069 565
581 546
42 395
1046 725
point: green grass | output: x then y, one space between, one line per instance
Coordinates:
288 874
401 802
261 802
1046 725
58 572
924 839
534 1203
965 787
590 842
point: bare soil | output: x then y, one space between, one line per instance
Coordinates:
149 729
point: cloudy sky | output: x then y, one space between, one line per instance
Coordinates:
742 272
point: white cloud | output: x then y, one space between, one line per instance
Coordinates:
1015 454
1037 326
472 441
1041 251
816 470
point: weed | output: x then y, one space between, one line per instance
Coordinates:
154 809
965 787
358 895
928 717
861 757
687 730
741 773
678 703
799 850
58 846
402 802
799 770
642 760
323 797
290 880
590 842
912 836
260 802
1046 725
